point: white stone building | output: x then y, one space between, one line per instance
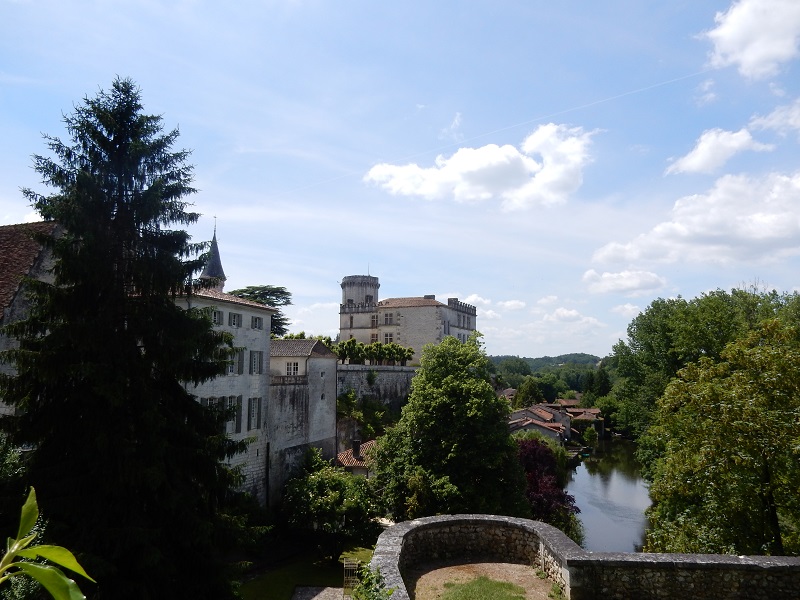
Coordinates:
410 322
302 407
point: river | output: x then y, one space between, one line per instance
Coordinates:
612 497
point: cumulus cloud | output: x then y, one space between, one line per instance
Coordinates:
784 119
547 300
627 310
757 36
571 317
545 170
511 304
625 282
489 315
713 150
741 218
476 300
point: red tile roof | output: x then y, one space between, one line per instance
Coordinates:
346 458
18 254
215 295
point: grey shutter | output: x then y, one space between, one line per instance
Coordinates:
204 402
258 416
238 414
240 365
252 356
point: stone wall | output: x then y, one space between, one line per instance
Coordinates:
583 575
391 385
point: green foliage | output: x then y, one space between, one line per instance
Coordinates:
371 415
728 477
451 451
127 462
590 436
528 393
482 588
673 333
270 295
332 501
370 585
47 575
377 353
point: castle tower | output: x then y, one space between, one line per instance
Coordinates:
213 269
358 312
360 289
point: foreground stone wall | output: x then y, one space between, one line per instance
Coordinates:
583 575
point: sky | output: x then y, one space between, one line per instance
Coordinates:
559 165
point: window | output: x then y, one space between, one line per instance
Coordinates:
236 365
234 320
292 369
373 337
368 299
388 318
230 407
217 317
388 338
459 320
374 321
253 413
256 362
351 321
256 322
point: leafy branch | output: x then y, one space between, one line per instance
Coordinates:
50 577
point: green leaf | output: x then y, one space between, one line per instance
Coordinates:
53 580
56 554
30 512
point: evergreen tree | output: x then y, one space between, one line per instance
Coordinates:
125 461
273 296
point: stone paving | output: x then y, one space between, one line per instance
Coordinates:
317 593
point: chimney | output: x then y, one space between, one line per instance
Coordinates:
356 448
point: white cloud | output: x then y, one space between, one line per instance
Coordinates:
570 317
627 310
705 93
626 282
757 36
489 315
547 300
452 131
545 170
783 119
476 300
740 218
511 304
713 150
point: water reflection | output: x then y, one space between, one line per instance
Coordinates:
612 497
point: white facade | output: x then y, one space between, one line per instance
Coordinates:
245 386
302 407
410 322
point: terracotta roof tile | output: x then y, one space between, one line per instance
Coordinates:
346 458
18 254
215 295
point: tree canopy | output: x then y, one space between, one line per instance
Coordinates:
728 434
273 296
451 451
126 462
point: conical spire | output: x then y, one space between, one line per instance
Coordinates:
213 268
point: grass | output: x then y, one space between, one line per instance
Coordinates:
307 570
483 588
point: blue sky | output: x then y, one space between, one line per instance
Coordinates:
557 164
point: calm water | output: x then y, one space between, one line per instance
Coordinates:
612 498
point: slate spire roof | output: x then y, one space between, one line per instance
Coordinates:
213 268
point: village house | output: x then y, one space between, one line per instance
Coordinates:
356 459
410 322
545 419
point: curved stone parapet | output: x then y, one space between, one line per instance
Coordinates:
583 575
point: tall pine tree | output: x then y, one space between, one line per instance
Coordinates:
127 465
